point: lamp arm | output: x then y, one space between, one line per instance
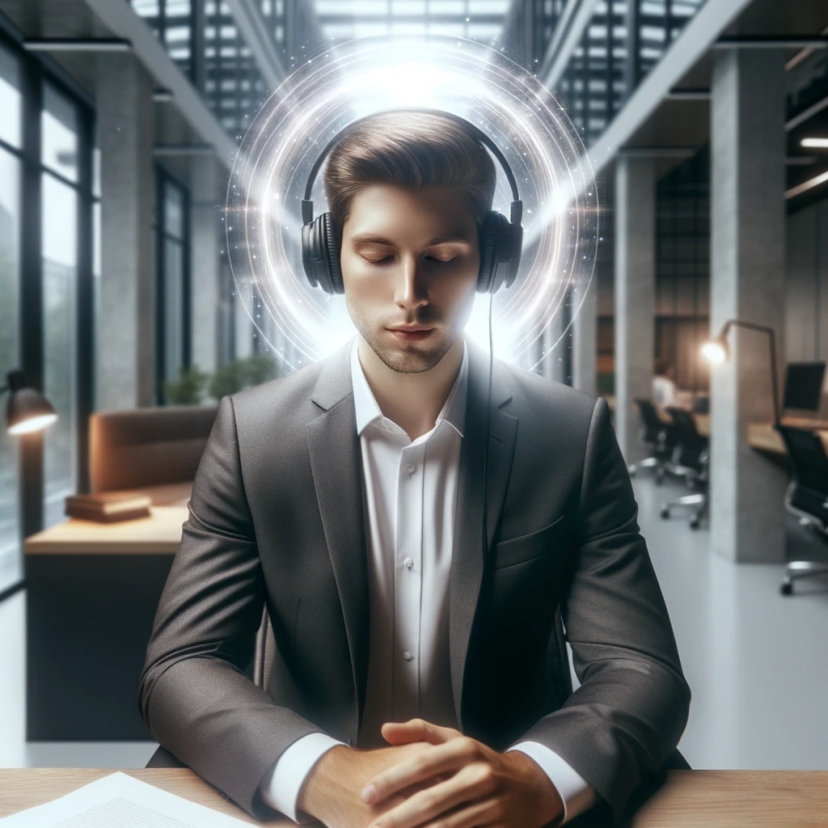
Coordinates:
772 342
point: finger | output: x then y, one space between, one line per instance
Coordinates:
417 730
444 758
471 783
486 813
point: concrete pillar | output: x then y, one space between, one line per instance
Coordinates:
747 282
125 341
207 179
635 228
585 337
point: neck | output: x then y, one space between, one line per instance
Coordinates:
412 401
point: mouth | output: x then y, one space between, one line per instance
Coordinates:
411 333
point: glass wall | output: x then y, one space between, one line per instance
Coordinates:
172 258
202 39
622 43
475 19
46 235
10 170
59 221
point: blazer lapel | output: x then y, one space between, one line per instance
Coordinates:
468 556
336 463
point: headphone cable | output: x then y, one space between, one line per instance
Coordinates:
488 432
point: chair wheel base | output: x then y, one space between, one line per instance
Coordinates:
694 523
786 589
665 513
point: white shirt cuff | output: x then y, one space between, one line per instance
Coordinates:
577 794
281 784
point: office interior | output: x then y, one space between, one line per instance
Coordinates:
707 126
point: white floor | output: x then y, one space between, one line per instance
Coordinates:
757 662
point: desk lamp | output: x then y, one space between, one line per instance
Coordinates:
717 351
28 409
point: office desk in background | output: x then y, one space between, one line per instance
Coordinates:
92 592
714 799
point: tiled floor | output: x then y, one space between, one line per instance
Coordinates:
757 662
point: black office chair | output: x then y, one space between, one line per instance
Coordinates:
807 496
690 461
658 436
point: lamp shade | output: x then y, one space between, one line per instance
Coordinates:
715 350
28 410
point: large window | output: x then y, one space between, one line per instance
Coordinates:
172 273
10 145
59 222
46 299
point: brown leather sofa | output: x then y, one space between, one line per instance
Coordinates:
153 451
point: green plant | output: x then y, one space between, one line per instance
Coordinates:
260 368
228 379
188 388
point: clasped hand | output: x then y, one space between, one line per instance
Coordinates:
443 779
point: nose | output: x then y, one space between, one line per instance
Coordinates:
410 290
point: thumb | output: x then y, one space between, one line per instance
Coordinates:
417 730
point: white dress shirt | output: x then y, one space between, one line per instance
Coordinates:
410 491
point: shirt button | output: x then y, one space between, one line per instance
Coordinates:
408 655
409 564
411 468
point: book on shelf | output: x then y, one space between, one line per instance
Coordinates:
108 507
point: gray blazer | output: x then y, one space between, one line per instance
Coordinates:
276 516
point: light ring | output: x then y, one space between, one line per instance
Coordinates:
263 209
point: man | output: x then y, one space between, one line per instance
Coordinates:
348 498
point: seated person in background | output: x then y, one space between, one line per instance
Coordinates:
416 679
663 386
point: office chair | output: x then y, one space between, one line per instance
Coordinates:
658 436
265 649
690 462
807 496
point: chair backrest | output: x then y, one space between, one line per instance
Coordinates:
653 426
692 445
147 446
809 463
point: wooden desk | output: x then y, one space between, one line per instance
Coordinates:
763 437
720 799
92 593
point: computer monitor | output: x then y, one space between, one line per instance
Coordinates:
803 385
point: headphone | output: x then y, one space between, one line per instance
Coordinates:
500 238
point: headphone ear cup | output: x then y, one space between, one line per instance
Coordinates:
320 254
488 243
332 254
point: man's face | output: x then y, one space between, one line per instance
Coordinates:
409 263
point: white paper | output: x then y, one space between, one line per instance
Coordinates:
120 801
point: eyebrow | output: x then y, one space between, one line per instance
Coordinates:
367 237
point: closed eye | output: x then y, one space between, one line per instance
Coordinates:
386 259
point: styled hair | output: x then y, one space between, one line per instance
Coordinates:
414 150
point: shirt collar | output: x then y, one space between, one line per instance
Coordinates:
368 411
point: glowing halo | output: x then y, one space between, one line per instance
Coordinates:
263 215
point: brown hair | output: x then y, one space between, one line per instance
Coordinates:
415 150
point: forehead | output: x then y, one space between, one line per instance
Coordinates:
387 207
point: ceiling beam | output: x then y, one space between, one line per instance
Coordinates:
772 42
695 39
77 44
120 18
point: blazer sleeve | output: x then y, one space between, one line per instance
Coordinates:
194 696
628 715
